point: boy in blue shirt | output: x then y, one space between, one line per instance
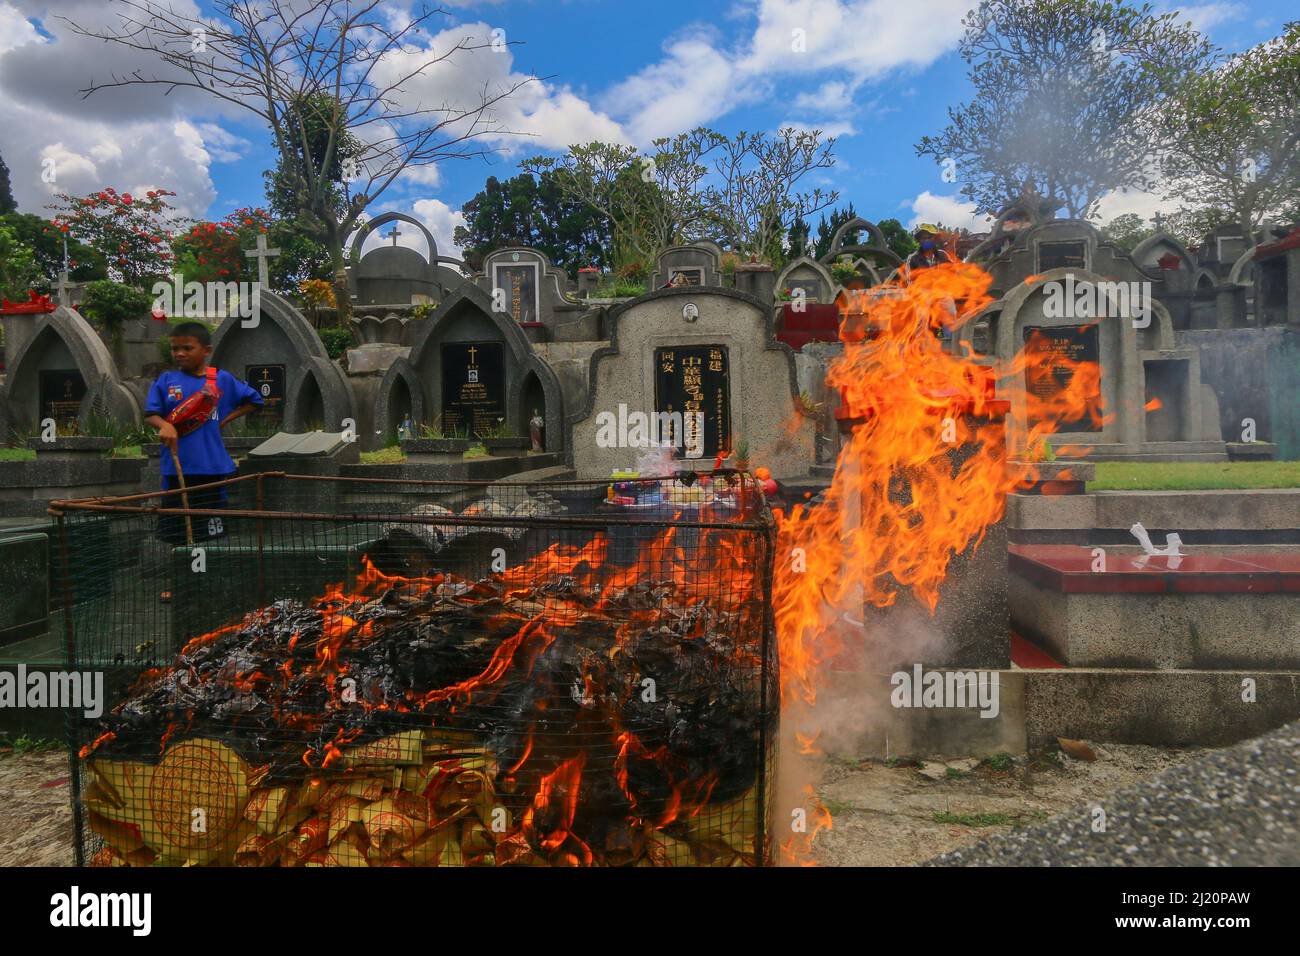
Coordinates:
202 454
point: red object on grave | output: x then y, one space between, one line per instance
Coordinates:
814 323
35 305
1068 569
1169 262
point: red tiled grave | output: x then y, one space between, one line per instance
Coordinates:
1067 568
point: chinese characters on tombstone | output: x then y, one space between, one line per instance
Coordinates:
690 379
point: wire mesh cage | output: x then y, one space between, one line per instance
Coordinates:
359 672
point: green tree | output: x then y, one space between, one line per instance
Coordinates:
534 211
1127 231
341 86
45 240
826 229
1232 134
7 204
19 272
898 238
798 238
758 198
1063 94
652 200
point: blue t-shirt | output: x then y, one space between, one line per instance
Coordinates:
202 451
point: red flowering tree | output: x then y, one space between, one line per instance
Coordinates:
214 251
132 233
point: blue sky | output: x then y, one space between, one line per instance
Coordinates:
880 74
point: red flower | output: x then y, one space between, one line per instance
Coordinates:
126 198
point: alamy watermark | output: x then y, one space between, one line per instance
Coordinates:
957 689
626 429
1068 299
193 300
75 908
60 690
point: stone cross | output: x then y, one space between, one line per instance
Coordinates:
262 255
393 234
65 289
1159 220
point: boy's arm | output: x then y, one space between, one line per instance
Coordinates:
154 418
249 400
166 430
239 412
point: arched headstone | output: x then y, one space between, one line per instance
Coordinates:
63 370
281 355
469 367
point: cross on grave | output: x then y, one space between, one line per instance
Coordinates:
262 254
392 234
472 351
1159 220
64 288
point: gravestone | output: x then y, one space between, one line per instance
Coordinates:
468 367
696 264
873 258
692 380
522 284
62 391
279 353
473 386
58 367
269 381
396 275
808 277
1152 398
1073 344
708 349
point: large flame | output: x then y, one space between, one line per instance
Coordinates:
921 475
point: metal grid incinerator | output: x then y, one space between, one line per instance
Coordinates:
360 672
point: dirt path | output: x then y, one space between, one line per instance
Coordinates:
35 814
902 816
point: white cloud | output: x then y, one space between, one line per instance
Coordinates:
951 211
15 29
452 81
1205 16
223 145
693 85
700 78
835 128
133 140
833 96
442 221
1118 203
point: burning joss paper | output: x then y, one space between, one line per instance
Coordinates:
567 711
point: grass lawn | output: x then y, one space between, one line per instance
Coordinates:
1194 475
17 454
385 456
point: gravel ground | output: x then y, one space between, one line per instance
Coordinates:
1239 806
35 810
904 815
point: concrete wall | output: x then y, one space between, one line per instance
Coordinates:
1256 374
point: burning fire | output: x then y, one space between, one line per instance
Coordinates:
919 478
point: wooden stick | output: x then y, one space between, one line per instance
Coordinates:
185 498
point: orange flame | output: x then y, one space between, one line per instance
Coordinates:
921 474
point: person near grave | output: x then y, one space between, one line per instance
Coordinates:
190 405
930 252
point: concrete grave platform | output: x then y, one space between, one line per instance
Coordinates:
1197 611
